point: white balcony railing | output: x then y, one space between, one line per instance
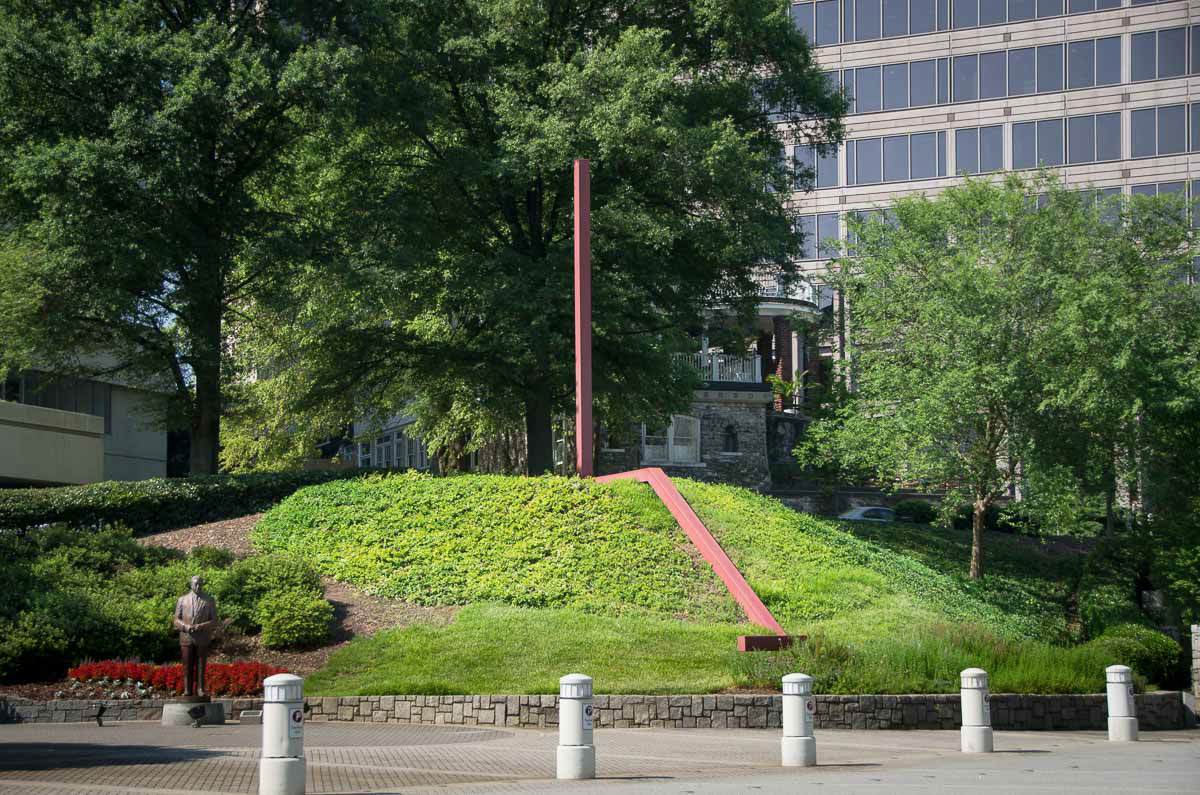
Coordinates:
772 285
727 367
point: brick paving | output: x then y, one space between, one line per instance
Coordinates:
143 757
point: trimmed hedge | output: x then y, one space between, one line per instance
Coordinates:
150 506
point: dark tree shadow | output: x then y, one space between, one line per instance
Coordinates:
56 756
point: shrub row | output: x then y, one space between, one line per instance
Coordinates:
72 595
148 506
240 678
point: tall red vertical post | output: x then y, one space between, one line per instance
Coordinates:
583 319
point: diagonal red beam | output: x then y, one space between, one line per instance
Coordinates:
703 540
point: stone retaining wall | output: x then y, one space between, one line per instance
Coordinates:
1196 660
1163 710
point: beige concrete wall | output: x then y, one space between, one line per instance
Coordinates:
40 445
137 447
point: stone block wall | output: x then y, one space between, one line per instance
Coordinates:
1156 711
79 711
1196 660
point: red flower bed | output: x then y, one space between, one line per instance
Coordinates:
240 678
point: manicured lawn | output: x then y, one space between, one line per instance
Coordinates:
496 649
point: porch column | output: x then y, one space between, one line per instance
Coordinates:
783 344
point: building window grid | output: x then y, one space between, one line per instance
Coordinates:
871 20
1164 53
896 158
1164 130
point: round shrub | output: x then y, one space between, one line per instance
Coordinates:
915 511
1158 656
294 618
211 557
248 581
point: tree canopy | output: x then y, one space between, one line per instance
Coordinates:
142 148
1004 344
451 295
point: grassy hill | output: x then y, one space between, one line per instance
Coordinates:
562 574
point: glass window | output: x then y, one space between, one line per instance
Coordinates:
895 158
1050 68
993 12
1050 142
851 164
1167 188
943 80
1142 126
806 227
921 16
993 75
1081 139
868 89
922 81
1049 8
804 167
1108 136
1172 129
1081 64
848 20
991 149
1108 61
1024 145
966 151
827 234
924 156
1145 190
802 18
966 78
943 14
1144 53
1019 10
895 86
1196 129
895 18
1022 71
848 87
1172 52
866 20
1080 6
1103 4
827 22
1195 49
966 14
827 169
870 161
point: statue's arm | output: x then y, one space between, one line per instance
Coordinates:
179 623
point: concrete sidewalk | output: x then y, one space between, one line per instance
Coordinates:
140 757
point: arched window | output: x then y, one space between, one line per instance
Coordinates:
730 443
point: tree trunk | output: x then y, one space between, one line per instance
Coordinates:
206 409
977 522
206 421
539 438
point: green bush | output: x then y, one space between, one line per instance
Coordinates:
294 618
1108 587
149 506
248 581
916 511
1158 657
67 595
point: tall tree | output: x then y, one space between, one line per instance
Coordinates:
957 305
456 302
140 147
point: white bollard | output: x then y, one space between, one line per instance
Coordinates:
1122 712
281 769
976 712
576 753
798 744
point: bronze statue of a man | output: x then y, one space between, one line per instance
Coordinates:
196 620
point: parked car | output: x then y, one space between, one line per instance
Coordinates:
870 513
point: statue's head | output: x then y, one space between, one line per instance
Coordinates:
197 584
